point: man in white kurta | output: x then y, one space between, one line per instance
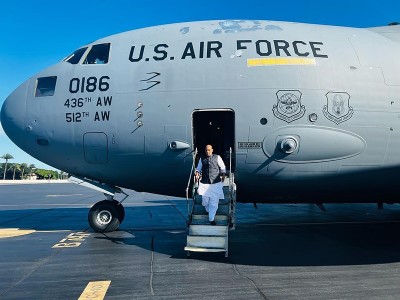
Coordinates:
212 168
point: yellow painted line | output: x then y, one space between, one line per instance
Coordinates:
13 232
95 290
259 62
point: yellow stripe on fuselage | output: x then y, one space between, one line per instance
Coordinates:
259 62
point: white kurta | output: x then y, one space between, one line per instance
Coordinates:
211 190
211 193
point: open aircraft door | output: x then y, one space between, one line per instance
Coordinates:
217 128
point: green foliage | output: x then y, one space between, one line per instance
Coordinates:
46 174
16 167
20 171
24 167
6 157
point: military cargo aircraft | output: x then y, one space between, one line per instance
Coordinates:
311 112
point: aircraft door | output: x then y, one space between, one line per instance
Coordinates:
217 128
95 146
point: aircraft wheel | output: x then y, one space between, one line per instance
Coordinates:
104 216
121 211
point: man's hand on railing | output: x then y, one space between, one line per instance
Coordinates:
196 176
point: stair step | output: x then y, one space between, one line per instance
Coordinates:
202 249
204 237
198 199
223 209
206 241
205 217
207 223
208 230
203 220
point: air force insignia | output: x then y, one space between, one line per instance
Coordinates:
288 107
338 108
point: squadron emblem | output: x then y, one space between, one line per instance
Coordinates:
288 107
338 108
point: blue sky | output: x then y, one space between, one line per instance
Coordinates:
35 34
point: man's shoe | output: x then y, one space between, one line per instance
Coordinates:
213 223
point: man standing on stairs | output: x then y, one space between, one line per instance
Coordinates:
212 169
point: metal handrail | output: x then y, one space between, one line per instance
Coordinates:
188 184
232 204
230 168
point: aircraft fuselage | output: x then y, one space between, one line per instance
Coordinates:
311 112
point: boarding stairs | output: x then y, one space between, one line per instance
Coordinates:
204 237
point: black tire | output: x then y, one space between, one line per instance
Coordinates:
104 216
121 211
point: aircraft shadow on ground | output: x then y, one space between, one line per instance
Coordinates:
315 241
45 219
305 245
324 243
316 245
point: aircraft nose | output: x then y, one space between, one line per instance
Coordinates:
13 114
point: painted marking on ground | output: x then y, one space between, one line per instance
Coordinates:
72 240
13 232
95 290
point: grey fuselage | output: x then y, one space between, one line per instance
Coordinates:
316 109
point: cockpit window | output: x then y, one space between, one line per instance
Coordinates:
45 86
75 57
98 54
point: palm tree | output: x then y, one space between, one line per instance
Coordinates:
24 166
16 167
6 157
31 167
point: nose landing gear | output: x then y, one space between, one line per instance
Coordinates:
106 215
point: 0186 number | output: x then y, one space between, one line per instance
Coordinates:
89 84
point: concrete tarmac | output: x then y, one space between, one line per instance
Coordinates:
48 250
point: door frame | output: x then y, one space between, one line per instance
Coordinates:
229 133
